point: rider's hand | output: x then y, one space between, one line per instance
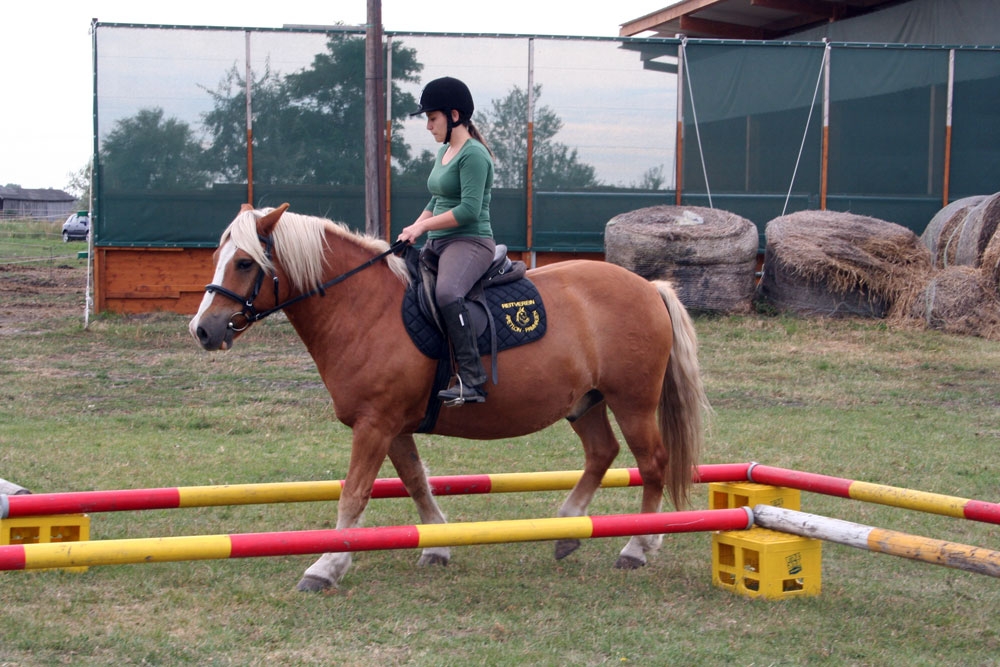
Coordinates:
410 234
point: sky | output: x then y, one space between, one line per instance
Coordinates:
46 124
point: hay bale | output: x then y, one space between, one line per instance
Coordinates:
957 300
942 231
839 264
977 230
991 262
709 255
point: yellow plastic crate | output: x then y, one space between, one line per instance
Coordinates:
765 563
727 495
44 529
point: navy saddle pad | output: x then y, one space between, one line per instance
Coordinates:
516 308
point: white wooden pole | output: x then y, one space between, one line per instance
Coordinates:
904 545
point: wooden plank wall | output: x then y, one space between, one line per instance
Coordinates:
148 280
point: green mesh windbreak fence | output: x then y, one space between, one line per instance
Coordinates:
604 128
887 126
752 105
172 129
173 166
975 148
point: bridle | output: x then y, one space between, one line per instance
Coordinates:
242 319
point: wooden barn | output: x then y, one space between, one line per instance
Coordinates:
35 204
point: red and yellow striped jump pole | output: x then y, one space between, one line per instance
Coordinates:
251 545
914 547
77 502
45 504
922 501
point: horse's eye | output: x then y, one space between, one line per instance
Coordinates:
244 264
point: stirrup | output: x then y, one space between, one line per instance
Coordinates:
460 394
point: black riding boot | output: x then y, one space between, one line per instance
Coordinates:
471 375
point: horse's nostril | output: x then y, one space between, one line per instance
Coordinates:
202 335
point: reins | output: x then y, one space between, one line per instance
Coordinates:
251 314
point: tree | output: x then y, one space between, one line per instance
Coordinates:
652 179
80 185
412 173
226 124
556 166
148 152
308 126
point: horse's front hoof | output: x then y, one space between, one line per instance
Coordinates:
430 560
313 584
566 547
629 563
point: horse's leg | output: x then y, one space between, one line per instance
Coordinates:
369 447
600 448
642 434
406 460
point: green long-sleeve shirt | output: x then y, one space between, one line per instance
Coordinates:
463 186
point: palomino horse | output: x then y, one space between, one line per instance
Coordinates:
614 341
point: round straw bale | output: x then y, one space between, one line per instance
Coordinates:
839 264
978 229
957 300
710 255
941 233
991 262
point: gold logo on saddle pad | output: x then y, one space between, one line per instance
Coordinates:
521 316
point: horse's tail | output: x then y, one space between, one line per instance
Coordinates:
683 403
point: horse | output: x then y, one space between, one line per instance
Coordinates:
614 342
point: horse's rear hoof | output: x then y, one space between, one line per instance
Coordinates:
313 584
430 560
629 563
566 547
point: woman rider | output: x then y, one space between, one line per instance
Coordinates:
457 224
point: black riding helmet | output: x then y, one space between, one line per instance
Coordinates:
443 95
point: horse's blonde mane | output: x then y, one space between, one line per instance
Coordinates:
301 243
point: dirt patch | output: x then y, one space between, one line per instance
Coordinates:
31 295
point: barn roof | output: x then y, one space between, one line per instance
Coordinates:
17 193
747 19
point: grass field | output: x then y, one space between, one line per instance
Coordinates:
131 402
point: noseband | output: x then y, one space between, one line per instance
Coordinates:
242 319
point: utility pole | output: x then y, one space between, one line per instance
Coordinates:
374 123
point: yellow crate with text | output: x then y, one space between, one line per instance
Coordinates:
44 529
727 495
766 563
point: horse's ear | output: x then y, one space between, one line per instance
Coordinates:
266 224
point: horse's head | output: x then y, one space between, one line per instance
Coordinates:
238 294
